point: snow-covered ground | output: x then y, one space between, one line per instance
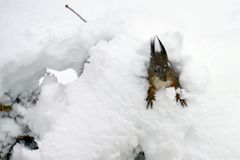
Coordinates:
101 114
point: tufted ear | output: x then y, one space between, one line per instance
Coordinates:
152 45
162 48
157 47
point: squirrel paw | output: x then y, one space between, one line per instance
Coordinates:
182 101
150 100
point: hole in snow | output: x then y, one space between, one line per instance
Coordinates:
64 77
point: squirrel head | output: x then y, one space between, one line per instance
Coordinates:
159 63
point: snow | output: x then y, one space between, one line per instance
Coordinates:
63 77
22 153
92 86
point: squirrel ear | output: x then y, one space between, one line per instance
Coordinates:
152 45
162 48
157 47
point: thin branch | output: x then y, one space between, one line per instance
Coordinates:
76 13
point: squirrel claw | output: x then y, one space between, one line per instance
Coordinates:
150 101
182 101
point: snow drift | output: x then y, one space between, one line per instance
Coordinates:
102 114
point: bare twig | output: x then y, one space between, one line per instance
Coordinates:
76 13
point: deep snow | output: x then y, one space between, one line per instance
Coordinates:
102 114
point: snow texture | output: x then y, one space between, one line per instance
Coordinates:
83 85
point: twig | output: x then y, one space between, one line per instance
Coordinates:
76 13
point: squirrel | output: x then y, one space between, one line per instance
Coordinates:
161 74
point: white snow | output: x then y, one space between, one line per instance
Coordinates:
64 77
92 103
7 126
22 153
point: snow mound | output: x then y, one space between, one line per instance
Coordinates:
101 113
105 116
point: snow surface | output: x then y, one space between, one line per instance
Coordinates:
102 114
